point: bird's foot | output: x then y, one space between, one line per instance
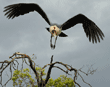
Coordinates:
52 46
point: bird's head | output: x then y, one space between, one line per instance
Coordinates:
54 30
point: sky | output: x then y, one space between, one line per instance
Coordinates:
27 34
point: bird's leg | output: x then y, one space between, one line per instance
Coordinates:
55 43
51 42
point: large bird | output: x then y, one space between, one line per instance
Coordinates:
91 29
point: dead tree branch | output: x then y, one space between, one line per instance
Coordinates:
13 63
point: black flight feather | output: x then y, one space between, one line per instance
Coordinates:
16 10
91 29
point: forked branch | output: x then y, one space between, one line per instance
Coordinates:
40 82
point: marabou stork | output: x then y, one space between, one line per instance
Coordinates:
91 29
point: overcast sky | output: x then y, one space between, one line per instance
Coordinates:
27 34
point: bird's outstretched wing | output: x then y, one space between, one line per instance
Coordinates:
22 8
90 28
48 29
62 35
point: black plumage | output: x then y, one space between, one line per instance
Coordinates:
91 29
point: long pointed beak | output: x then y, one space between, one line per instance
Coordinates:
54 35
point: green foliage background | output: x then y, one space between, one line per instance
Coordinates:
19 77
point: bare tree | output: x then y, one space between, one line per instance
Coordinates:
13 64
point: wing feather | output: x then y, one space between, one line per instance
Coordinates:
16 10
91 29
